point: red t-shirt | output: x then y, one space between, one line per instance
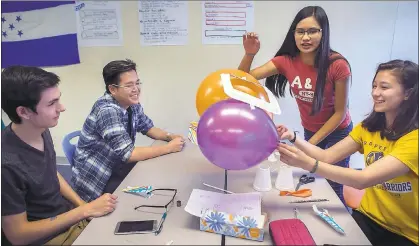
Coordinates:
302 79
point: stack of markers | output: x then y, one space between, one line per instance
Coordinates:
192 132
139 190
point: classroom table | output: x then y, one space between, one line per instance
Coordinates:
185 171
278 207
188 170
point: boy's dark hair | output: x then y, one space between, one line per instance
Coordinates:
114 69
407 114
22 86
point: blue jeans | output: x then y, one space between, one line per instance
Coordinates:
329 141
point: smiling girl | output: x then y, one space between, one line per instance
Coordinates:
318 78
388 138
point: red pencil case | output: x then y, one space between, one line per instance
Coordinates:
290 232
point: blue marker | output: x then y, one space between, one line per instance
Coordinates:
163 218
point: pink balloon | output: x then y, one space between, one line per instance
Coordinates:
234 136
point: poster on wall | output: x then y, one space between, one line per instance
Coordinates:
225 22
99 23
163 22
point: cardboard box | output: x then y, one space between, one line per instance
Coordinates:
233 225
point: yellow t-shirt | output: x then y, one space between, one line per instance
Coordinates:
394 203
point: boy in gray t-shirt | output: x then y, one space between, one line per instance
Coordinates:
38 205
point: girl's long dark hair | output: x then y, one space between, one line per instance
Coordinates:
278 82
407 114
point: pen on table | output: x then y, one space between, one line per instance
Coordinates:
309 200
296 213
163 218
229 192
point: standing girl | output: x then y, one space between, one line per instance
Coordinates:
318 78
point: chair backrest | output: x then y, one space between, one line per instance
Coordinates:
68 147
352 196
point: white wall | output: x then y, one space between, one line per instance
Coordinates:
405 42
367 33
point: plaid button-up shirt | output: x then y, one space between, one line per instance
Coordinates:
105 143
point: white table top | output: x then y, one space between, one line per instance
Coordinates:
278 207
184 171
187 170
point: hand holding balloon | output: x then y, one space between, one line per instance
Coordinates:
284 133
294 157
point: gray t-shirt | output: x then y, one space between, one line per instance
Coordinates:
29 179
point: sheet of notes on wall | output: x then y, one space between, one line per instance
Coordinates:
99 23
225 22
163 22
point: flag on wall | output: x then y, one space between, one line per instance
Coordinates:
38 33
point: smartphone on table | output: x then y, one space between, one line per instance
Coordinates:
135 227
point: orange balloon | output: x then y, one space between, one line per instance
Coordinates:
211 89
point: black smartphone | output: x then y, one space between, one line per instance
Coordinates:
133 227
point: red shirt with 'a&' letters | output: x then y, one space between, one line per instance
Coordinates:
302 79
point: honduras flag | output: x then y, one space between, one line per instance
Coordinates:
38 33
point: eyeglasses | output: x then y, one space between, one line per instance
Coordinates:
310 32
165 207
129 87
